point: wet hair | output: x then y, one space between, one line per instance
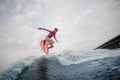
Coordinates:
56 29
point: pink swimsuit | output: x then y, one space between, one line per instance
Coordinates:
51 33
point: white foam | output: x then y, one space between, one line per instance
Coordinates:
69 57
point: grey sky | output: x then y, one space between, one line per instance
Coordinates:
82 24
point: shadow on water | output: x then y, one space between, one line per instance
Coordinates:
43 69
38 70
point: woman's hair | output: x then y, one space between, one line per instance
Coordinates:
56 29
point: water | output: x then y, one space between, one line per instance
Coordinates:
82 65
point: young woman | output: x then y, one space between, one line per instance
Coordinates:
51 34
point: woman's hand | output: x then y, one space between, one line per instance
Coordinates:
39 28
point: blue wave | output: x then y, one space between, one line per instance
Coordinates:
93 65
16 70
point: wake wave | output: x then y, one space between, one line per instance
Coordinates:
69 57
50 66
17 69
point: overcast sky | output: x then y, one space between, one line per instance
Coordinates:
82 24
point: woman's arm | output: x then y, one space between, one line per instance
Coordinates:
55 38
44 29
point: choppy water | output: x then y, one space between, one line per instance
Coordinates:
91 65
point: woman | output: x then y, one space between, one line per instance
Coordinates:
49 36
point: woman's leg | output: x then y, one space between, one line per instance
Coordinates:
51 46
50 42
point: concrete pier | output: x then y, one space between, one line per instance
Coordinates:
111 44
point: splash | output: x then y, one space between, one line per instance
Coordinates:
70 57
